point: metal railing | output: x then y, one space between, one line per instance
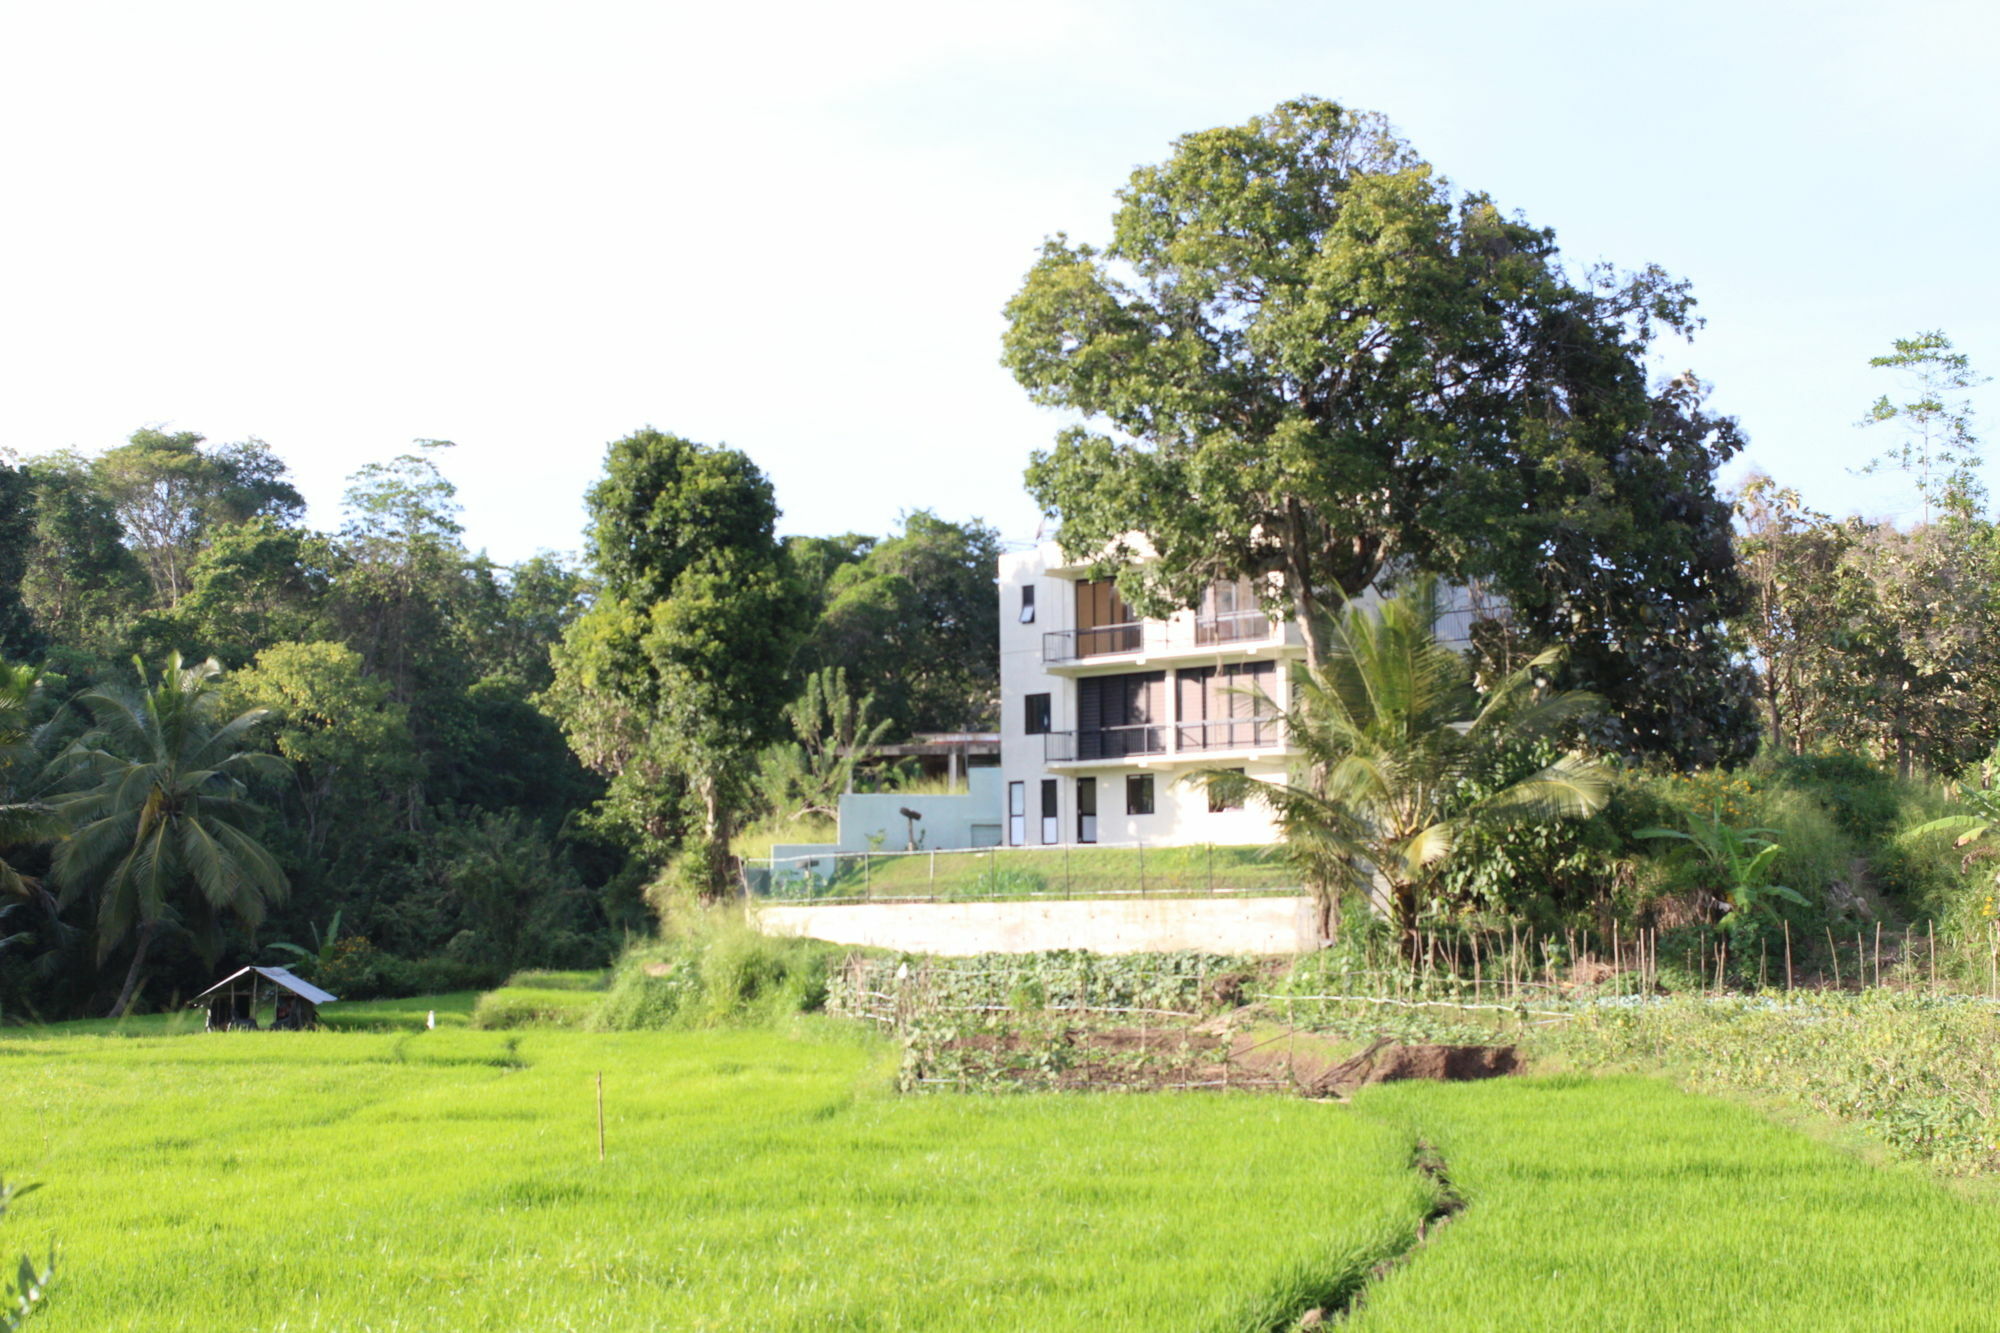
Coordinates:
1150 738
1154 636
1232 733
1074 870
1073 645
1122 742
1233 627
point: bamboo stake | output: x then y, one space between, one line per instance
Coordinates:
1788 958
1836 957
1878 955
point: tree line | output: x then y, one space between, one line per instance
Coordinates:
358 728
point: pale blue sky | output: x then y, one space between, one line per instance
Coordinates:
791 228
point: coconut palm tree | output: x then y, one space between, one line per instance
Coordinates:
161 825
1400 757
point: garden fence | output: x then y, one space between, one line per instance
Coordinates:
1127 870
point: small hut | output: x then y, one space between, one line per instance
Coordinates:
232 1002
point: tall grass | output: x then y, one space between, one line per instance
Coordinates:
712 969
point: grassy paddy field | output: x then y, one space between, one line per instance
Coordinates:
388 1177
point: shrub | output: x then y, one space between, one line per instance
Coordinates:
519 1007
712 969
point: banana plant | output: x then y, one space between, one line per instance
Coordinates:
1742 859
312 960
1966 829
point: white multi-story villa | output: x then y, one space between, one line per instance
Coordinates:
1106 717
1107 721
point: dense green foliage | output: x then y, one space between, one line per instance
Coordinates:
1319 364
675 677
162 830
1399 760
1919 1072
715 970
408 772
386 757
1873 637
913 621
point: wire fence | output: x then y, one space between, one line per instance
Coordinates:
1130 870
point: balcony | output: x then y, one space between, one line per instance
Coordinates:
1149 739
1139 640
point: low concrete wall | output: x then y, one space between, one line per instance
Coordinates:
1112 925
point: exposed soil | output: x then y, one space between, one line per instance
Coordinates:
1152 1058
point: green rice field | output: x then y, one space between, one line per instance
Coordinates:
383 1176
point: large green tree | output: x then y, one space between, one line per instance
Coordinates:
1872 636
913 621
168 491
1304 357
676 676
81 582
165 826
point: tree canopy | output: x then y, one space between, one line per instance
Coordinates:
1305 358
676 676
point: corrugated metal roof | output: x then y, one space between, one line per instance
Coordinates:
305 990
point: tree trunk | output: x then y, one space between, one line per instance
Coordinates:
132 973
716 828
1404 897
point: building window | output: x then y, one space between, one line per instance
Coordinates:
1118 716
1217 803
1028 605
1017 813
1104 624
1038 714
1231 707
1086 809
1139 794
1051 812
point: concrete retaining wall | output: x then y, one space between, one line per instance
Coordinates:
1116 925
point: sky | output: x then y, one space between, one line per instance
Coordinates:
791 228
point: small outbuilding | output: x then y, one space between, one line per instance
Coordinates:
232 1002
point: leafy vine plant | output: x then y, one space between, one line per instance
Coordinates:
1743 861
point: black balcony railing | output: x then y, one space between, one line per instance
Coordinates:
1120 742
1150 738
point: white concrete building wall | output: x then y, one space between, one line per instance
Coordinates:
873 821
1181 814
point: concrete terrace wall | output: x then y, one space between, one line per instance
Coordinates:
1119 925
